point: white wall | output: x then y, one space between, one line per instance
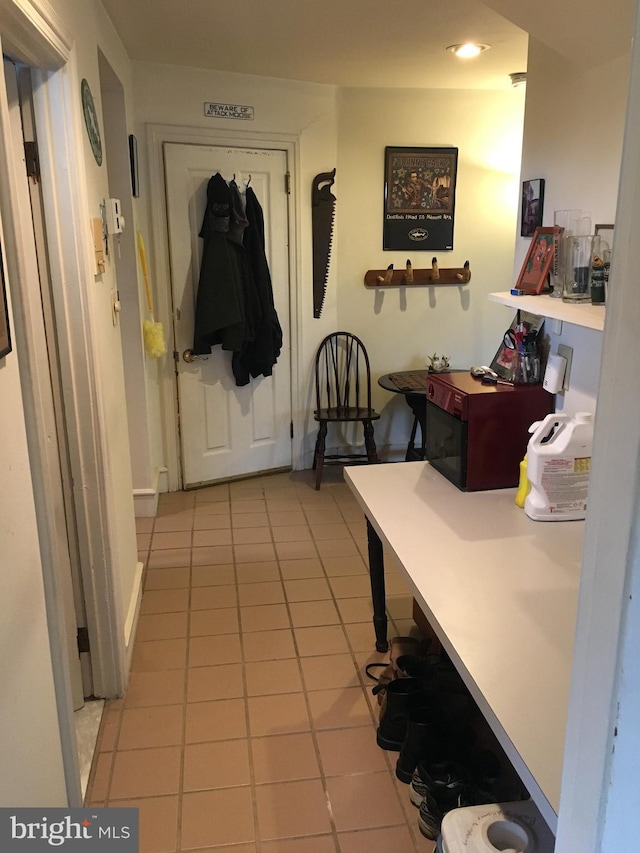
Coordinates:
32 770
109 362
574 126
573 131
400 326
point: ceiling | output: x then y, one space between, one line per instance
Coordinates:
377 43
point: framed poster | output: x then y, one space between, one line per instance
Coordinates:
419 198
532 206
5 335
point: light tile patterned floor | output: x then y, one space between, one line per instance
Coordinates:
248 725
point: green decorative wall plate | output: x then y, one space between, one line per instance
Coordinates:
91 121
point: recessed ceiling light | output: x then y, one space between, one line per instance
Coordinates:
468 50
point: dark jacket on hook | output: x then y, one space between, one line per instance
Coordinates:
259 355
222 315
234 305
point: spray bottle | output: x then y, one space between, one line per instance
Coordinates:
558 467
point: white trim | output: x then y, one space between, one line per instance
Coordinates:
597 806
145 501
34 34
157 135
35 381
64 197
133 609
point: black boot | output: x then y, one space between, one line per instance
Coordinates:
417 666
421 740
401 696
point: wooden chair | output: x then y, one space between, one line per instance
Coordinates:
343 395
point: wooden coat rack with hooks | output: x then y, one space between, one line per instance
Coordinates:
410 277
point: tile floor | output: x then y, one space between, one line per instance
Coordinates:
248 725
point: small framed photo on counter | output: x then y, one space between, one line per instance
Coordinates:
535 269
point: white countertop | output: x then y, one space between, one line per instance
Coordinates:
501 591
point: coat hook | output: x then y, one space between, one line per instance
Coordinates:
409 273
249 180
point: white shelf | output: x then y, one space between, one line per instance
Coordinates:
580 314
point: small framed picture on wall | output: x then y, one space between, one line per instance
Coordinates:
133 163
532 206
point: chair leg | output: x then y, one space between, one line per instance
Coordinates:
369 442
319 455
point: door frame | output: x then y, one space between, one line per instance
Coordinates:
32 33
52 456
157 135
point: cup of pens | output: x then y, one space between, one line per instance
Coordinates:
526 369
525 361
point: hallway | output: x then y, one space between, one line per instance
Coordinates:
248 724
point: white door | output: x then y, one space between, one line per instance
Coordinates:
227 431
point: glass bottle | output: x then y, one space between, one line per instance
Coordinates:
578 269
566 221
574 223
599 273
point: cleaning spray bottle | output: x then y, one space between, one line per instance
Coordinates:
558 467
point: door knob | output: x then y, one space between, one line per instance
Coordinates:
189 356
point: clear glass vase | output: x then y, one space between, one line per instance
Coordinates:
574 223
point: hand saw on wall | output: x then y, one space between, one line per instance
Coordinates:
323 206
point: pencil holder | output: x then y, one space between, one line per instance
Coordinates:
526 370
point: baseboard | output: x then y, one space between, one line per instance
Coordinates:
145 501
132 613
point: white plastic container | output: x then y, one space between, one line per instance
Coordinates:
500 828
558 467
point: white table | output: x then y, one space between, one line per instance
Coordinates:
501 593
